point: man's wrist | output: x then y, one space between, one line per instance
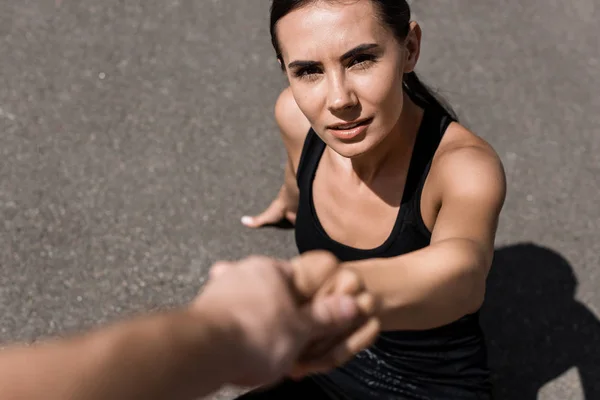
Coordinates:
222 340
185 352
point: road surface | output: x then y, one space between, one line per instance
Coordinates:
134 135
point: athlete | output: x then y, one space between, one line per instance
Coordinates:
381 174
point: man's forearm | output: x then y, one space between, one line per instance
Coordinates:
427 288
157 357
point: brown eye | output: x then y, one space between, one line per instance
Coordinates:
362 60
303 72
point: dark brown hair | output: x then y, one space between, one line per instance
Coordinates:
395 14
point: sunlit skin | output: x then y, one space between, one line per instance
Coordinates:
343 66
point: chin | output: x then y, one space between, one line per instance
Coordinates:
353 149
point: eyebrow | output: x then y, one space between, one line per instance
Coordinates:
349 54
361 48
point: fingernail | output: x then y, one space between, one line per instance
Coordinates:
246 220
347 307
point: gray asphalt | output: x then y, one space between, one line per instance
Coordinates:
133 135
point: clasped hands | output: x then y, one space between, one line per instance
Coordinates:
292 318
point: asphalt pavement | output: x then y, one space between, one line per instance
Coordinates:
134 135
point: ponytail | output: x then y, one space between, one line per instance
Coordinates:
423 96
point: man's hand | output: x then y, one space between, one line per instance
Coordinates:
267 305
278 317
250 326
319 275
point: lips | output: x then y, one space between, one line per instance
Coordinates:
351 130
350 125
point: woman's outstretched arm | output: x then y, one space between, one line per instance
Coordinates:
443 282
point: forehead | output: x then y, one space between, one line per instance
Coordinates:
329 28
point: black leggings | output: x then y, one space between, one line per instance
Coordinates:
309 389
303 389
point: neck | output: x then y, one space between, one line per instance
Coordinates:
393 152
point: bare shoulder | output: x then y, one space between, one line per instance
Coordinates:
466 165
292 124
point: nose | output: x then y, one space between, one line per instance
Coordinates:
340 95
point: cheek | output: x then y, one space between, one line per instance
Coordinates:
309 100
382 93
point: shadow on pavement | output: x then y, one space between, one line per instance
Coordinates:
536 330
284 224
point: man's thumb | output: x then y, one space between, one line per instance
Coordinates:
331 315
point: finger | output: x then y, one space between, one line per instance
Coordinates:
311 272
331 315
319 348
288 271
329 321
348 282
326 317
366 303
361 339
219 268
366 308
340 354
273 214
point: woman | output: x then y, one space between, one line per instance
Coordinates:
381 175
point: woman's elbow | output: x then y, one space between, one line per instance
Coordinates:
475 294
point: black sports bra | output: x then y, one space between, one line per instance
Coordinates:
401 364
